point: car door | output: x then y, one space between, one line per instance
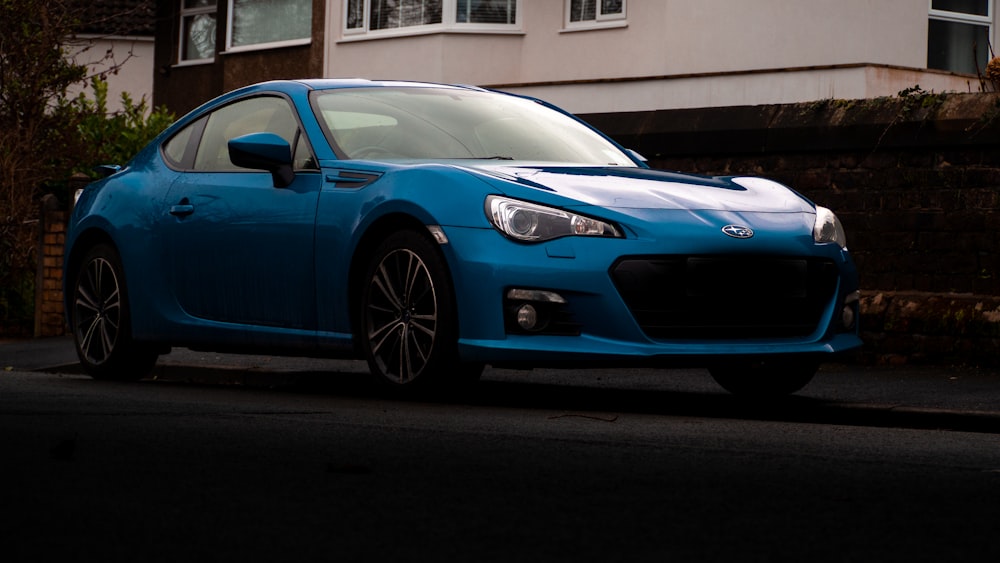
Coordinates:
238 249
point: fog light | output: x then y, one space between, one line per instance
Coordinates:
527 317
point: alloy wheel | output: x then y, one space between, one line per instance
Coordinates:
402 316
97 311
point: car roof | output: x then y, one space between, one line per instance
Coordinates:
338 83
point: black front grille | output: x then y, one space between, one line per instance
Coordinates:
725 297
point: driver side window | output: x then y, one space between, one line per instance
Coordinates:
254 115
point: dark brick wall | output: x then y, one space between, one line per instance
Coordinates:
917 219
49 311
183 88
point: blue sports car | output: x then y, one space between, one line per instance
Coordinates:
434 229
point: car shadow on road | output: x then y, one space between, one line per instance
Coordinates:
589 398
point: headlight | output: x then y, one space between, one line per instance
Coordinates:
529 222
828 228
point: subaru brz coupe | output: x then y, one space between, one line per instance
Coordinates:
433 230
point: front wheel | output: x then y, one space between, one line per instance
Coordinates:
100 320
409 325
767 377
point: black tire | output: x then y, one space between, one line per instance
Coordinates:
409 325
100 320
766 377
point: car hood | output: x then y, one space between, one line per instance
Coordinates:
642 188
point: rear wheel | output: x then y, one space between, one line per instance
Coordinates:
767 377
409 326
101 324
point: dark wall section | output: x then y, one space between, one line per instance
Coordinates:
183 88
180 89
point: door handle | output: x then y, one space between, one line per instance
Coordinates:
181 210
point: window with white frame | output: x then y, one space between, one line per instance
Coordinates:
197 41
377 17
594 13
503 12
958 35
255 24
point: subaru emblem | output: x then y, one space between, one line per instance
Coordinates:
738 231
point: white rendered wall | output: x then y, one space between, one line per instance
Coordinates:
671 54
132 56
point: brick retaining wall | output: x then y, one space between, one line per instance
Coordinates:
49 309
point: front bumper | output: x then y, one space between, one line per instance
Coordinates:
617 327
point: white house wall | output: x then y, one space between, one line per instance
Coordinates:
743 89
672 54
134 59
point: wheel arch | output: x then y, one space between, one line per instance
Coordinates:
81 245
375 234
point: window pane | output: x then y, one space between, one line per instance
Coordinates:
175 148
582 10
199 37
486 11
389 14
302 158
611 7
190 4
957 47
433 123
355 14
268 21
974 7
255 115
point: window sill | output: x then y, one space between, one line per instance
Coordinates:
391 34
194 62
267 46
594 26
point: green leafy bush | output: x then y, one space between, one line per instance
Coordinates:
115 137
46 135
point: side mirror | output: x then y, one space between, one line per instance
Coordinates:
264 151
105 170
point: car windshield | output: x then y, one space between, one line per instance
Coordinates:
440 123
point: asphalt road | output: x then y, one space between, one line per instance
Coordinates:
960 397
269 460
